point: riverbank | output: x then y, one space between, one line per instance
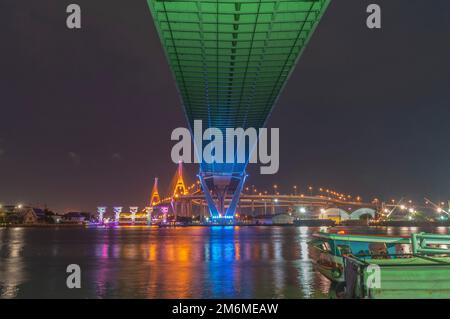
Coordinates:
406 223
347 225
42 225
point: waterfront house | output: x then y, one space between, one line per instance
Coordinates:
11 214
56 219
40 214
28 216
74 217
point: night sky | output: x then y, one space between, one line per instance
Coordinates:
86 115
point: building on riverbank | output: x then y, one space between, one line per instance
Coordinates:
282 219
19 214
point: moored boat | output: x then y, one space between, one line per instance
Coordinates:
425 273
327 250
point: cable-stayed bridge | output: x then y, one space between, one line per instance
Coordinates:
231 60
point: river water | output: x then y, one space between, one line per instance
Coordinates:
151 262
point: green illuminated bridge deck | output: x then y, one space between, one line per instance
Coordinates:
232 58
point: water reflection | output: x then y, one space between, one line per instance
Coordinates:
12 273
195 262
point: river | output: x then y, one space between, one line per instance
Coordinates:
152 262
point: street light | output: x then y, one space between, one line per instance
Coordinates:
295 190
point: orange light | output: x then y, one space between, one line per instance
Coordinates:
341 232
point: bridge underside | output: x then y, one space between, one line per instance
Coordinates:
231 59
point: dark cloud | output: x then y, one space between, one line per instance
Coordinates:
116 157
74 158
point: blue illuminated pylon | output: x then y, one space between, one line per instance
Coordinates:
219 185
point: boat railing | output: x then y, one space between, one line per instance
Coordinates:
433 244
424 246
366 260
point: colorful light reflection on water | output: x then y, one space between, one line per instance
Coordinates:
141 262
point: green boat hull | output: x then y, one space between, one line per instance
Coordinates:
383 267
409 278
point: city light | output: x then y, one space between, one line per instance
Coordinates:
221 217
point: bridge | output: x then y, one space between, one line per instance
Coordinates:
189 201
231 60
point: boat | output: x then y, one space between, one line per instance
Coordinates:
327 250
425 273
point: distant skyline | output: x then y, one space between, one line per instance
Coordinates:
87 115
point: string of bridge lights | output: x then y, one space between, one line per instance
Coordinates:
323 192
